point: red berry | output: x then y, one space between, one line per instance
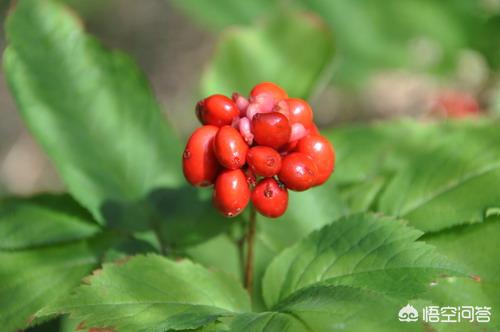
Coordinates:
199 163
264 161
322 153
231 192
251 177
230 148
313 130
298 171
269 88
288 147
300 111
269 198
217 110
271 129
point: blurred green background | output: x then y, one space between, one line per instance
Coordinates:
354 60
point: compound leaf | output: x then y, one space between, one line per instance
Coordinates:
362 250
153 293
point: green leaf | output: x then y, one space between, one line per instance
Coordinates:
30 279
362 250
153 293
456 292
364 152
43 220
361 196
423 172
476 247
294 51
473 245
328 308
455 182
186 216
92 110
210 253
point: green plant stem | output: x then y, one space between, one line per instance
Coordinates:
250 236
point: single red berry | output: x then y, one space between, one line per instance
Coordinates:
230 148
322 153
269 198
231 192
271 129
298 171
217 110
313 129
264 161
300 111
269 88
199 163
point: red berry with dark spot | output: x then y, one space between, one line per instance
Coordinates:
271 129
231 192
264 161
199 163
322 153
217 110
300 112
230 148
251 177
298 171
269 198
269 88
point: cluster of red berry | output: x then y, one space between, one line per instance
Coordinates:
256 149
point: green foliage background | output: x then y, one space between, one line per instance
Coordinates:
410 215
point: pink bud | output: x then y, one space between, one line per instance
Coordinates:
245 130
298 131
282 107
266 100
253 109
241 102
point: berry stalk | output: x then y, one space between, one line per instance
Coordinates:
250 236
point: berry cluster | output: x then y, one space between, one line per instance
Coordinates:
256 149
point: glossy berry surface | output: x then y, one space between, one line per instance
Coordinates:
313 130
230 148
264 161
300 112
231 192
270 89
298 171
322 153
269 198
257 147
199 163
271 129
217 110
